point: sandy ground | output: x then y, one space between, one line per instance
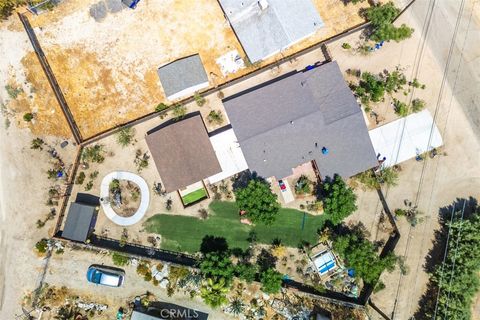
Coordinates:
444 178
23 192
107 71
69 270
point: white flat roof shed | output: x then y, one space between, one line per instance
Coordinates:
229 155
405 138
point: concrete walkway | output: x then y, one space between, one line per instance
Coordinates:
144 197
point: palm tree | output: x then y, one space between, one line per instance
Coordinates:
236 306
213 292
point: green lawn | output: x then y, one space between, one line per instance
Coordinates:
182 233
194 196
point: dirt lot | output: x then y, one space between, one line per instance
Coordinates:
441 180
107 71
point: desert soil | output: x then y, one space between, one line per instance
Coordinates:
438 182
108 70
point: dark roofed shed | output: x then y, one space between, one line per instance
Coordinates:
80 221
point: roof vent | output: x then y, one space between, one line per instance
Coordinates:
263 4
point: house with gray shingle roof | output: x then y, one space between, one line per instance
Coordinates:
266 27
183 77
300 117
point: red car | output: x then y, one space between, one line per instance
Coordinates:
282 185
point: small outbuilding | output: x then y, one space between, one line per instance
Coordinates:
80 222
182 152
183 77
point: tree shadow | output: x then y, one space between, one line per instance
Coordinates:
213 244
242 179
426 304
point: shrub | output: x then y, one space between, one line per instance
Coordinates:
179 112
160 107
303 185
114 185
42 245
93 154
213 292
401 108
37 144
94 175
199 99
418 105
125 136
246 271
215 117
346 46
80 178
12 92
28 117
120 259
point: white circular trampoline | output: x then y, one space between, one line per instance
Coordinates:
144 197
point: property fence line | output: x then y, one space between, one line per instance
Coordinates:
377 309
51 78
176 257
68 190
232 82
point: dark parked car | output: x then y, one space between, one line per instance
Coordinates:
104 275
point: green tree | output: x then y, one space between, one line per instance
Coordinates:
246 271
258 201
457 279
125 136
338 199
360 254
271 281
217 265
381 18
370 88
214 292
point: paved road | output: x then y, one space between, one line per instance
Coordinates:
464 72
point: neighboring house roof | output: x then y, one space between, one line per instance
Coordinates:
183 153
79 221
265 27
183 77
406 138
168 311
287 121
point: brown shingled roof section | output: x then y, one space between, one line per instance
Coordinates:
183 153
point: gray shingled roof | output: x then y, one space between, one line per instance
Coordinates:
264 32
278 125
78 222
183 153
182 74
